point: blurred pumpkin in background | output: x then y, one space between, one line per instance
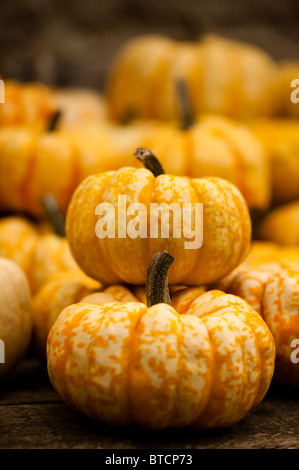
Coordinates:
33 104
40 255
273 292
30 160
281 225
15 315
223 76
280 138
30 104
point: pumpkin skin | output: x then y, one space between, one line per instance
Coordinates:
280 138
79 107
18 238
33 104
273 291
51 255
40 255
58 292
223 76
30 104
263 256
213 146
205 365
264 252
281 225
43 156
107 260
15 314
224 148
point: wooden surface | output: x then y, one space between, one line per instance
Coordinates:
33 416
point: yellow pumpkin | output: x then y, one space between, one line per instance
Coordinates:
280 138
263 256
79 107
221 147
262 252
15 316
281 225
273 291
205 361
223 76
225 224
40 255
58 292
30 104
214 146
18 238
33 104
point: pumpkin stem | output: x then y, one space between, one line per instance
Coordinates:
157 290
145 156
188 119
54 121
54 214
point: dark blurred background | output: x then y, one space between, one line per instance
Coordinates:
72 42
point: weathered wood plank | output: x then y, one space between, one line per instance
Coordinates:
33 416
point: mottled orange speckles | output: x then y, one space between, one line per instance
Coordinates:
160 368
226 228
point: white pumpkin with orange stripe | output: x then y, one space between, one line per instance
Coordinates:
205 361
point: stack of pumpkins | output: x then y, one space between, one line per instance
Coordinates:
141 330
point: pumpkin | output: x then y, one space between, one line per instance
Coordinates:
280 138
15 315
225 223
59 291
223 76
281 225
263 256
221 147
79 107
262 252
40 255
205 365
213 146
29 164
273 291
33 104
30 104
18 239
